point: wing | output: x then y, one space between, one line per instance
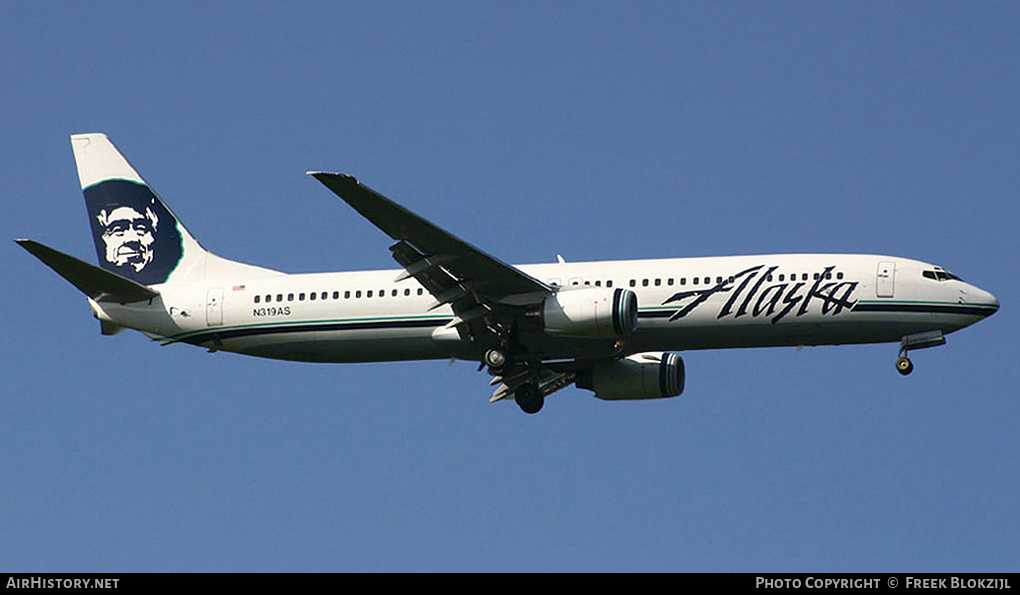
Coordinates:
482 290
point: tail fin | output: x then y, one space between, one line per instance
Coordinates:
136 235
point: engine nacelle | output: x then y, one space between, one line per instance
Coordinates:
639 376
591 312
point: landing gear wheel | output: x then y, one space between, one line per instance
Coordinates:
904 365
496 358
529 398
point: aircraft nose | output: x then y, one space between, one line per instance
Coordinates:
993 303
978 297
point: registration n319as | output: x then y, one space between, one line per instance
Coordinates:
610 327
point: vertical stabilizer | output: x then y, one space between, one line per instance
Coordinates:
136 234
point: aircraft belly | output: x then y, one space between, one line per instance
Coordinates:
343 346
850 328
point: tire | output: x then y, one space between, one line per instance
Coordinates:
529 398
496 359
904 366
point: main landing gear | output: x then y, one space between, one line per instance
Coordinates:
918 341
529 398
500 362
497 359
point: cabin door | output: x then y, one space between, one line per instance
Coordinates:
886 282
214 307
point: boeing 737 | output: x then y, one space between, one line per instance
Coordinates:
609 327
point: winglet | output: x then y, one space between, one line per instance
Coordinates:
99 284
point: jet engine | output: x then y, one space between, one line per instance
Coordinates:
591 312
640 376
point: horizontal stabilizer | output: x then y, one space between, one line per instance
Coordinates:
99 284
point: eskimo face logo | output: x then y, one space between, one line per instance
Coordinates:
129 236
135 235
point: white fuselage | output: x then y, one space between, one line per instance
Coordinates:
608 326
684 303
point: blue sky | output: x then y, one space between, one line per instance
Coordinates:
594 130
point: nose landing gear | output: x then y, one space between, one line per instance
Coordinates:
917 341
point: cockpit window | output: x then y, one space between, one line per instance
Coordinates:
939 275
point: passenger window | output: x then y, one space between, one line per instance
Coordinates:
279 297
839 275
419 291
301 297
644 283
633 283
357 294
609 283
257 298
311 296
290 297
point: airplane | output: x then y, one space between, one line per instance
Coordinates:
612 327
